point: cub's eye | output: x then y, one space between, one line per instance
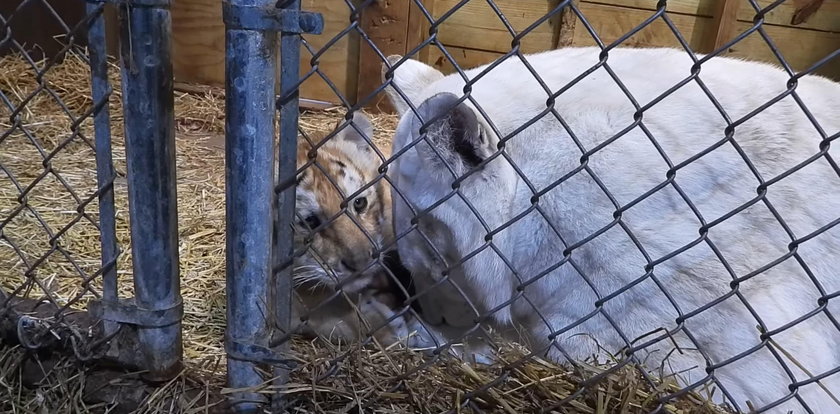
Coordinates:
360 204
311 221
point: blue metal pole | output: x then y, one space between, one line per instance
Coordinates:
101 92
288 106
150 151
250 66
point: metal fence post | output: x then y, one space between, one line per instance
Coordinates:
255 306
150 150
250 69
101 92
288 105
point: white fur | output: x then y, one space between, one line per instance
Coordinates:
684 123
412 77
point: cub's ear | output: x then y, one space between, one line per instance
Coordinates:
410 77
357 130
455 132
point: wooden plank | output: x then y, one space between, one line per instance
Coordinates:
465 58
705 8
198 44
564 33
723 25
340 62
800 48
826 18
612 22
386 24
476 26
418 28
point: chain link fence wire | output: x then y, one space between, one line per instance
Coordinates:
61 307
57 223
695 277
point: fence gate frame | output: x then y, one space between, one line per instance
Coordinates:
155 313
259 241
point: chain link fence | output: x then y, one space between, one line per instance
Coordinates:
585 229
599 229
44 207
60 254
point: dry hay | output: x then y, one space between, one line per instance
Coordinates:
369 379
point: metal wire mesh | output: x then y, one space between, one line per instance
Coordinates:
58 245
705 192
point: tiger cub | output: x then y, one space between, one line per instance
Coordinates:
340 245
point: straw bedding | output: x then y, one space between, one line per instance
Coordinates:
367 379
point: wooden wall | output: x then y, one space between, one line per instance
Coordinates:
804 31
801 44
198 47
475 35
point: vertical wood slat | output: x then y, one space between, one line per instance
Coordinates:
725 20
565 32
386 24
397 27
418 27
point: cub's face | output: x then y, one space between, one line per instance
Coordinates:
342 241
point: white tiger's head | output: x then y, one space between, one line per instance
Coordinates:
342 218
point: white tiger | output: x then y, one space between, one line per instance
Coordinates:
559 202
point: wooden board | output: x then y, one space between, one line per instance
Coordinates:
826 18
386 24
564 35
612 22
705 8
475 35
198 45
723 26
340 62
476 26
418 28
465 58
198 42
800 48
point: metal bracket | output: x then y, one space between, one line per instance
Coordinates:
257 353
127 312
271 18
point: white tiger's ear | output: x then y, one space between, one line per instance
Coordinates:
359 131
410 77
455 132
